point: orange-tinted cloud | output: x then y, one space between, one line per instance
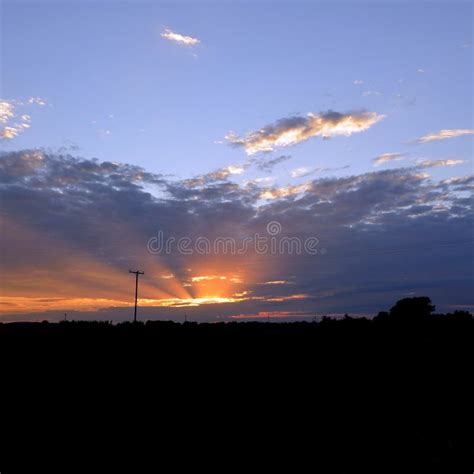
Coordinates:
14 122
277 193
444 134
293 130
439 163
388 157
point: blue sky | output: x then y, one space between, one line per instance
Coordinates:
121 92
347 121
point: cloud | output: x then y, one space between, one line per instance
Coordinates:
41 170
439 163
235 169
37 101
180 39
272 314
277 193
257 181
304 171
387 157
267 165
16 165
168 276
6 111
220 174
293 130
459 184
357 82
73 227
7 133
14 122
420 71
277 282
208 277
459 181
443 135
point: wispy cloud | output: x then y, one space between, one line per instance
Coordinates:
180 39
208 277
439 163
357 82
444 134
262 180
277 282
459 181
303 171
386 157
271 314
293 130
267 165
220 174
36 101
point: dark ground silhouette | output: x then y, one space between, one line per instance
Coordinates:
388 394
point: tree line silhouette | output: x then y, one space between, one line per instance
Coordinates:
386 394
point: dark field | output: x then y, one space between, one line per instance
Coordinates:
391 394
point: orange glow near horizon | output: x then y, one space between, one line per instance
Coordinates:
20 304
78 281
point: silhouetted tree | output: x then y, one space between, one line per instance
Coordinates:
457 316
412 309
382 316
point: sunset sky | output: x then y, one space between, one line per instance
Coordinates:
347 123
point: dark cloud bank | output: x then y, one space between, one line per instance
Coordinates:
384 235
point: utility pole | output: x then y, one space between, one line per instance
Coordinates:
136 292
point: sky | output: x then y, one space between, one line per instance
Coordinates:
349 123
